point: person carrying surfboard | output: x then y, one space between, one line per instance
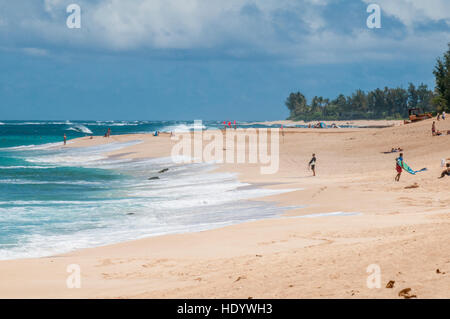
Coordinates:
398 167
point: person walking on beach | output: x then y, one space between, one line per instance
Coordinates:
312 164
443 115
65 139
398 167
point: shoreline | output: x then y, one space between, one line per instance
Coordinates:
318 257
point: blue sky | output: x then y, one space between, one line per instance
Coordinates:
207 59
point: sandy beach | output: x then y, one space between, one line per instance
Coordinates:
403 227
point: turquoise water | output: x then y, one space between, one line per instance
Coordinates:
55 199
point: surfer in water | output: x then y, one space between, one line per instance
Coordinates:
398 168
312 164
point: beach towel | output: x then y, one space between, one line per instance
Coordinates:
409 169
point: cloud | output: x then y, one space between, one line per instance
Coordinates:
299 31
167 24
35 51
411 12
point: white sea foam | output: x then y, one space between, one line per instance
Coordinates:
80 128
93 155
31 182
180 128
34 147
27 167
113 124
185 198
68 160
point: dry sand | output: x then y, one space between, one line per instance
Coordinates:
404 231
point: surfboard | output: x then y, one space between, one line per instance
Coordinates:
409 169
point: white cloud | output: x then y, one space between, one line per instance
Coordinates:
410 12
185 24
35 51
292 30
169 24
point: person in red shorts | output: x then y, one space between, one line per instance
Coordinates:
398 168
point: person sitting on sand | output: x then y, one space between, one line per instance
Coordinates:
312 164
398 168
394 150
435 132
446 171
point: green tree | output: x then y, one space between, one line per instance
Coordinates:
297 104
442 74
376 104
425 98
413 98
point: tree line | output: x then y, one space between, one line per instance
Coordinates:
387 103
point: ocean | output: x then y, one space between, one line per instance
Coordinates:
55 200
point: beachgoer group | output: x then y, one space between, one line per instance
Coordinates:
108 132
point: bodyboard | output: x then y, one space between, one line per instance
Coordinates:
409 169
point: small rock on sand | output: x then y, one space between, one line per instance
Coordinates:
390 284
240 278
406 293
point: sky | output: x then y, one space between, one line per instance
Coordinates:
207 59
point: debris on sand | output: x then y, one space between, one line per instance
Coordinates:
405 293
390 284
240 278
415 185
